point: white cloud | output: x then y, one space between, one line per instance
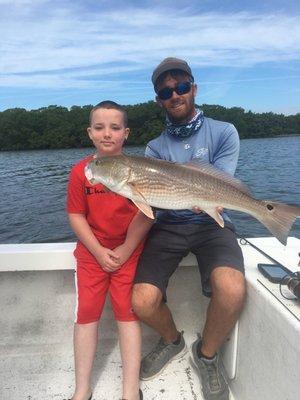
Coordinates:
65 47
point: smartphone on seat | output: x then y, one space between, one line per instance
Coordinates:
274 272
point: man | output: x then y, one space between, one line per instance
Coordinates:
190 135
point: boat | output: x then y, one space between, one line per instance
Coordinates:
261 355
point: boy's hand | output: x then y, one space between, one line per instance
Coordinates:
123 252
108 259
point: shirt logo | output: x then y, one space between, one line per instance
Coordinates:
202 152
94 190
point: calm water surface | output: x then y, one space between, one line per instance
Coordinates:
32 208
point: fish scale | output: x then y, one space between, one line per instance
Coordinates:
166 189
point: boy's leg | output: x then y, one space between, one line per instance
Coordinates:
120 290
91 286
85 344
130 348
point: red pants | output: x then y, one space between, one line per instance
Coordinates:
93 283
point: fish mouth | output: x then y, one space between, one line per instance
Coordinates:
88 174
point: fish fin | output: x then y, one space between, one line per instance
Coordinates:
278 218
145 208
211 170
141 202
213 212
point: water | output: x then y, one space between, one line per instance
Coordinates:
33 183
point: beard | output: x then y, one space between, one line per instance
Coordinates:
181 112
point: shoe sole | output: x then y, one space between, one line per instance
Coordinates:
176 357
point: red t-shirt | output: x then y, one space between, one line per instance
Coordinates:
107 213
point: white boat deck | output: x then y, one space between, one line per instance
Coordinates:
36 356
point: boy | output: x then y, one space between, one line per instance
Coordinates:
110 232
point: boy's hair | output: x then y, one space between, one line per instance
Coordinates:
110 105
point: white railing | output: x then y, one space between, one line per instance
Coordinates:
45 256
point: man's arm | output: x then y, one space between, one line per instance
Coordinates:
136 232
227 154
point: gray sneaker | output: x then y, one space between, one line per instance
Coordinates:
214 386
162 354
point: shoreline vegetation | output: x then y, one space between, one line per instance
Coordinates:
56 127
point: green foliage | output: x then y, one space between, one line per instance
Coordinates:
56 127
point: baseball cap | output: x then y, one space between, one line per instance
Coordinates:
170 63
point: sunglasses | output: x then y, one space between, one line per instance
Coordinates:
181 88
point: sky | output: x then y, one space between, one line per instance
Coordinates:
242 53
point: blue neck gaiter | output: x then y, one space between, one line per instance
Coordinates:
186 130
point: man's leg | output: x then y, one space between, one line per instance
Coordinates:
221 266
165 247
149 306
228 295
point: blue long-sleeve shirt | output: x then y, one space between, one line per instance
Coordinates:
216 142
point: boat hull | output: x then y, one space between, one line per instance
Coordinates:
37 302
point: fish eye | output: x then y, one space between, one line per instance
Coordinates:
270 207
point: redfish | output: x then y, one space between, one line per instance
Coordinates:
166 185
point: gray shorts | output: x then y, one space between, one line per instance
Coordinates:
168 244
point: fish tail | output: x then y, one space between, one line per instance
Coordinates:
279 218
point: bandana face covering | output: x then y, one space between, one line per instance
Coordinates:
186 130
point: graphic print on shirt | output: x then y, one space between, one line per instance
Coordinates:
94 190
201 153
